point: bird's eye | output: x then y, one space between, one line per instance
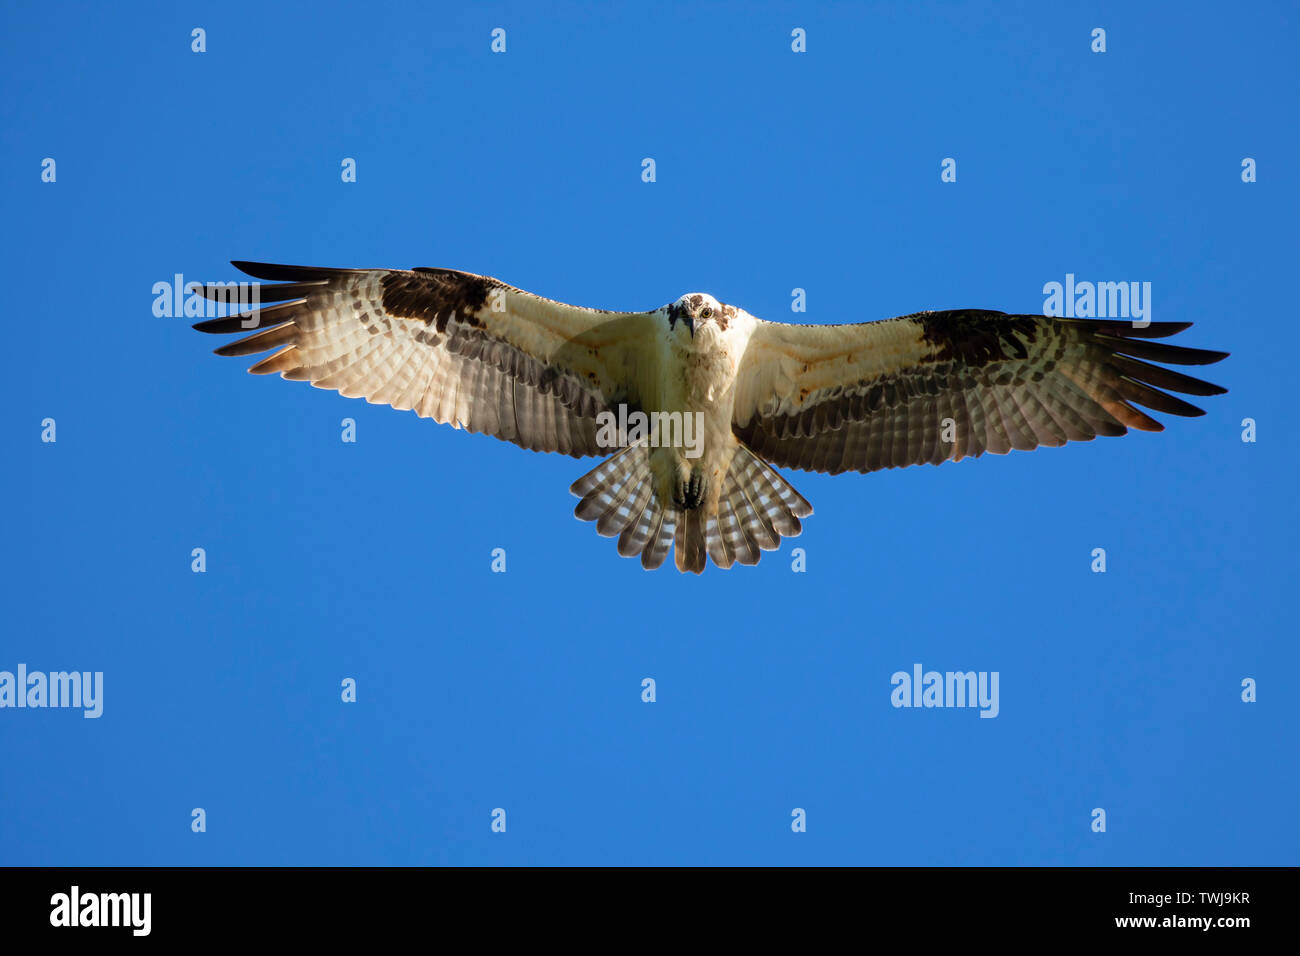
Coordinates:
706 313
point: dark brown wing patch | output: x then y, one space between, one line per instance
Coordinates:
433 296
967 336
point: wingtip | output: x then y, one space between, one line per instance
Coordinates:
279 272
274 271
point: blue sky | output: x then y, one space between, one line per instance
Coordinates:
775 170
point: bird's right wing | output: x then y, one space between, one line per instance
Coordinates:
942 386
452 346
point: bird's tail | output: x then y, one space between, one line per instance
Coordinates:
757 507
691 546
756 510
618 494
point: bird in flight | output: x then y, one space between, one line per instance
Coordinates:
693 403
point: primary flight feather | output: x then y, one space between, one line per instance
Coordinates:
475 353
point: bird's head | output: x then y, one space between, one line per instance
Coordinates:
697 311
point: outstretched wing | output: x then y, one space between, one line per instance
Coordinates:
936 386
459 348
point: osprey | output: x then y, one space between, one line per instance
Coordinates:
475 353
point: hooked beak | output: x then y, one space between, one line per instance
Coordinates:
690 324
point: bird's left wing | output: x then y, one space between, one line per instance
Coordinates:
459 348
939 386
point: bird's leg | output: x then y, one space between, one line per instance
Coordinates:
689 493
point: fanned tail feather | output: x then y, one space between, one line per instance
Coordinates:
691 552
756 509
618 494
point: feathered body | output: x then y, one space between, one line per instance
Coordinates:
473 352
